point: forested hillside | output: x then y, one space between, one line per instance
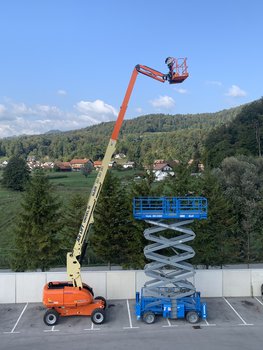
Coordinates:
142 139
233 186
242 136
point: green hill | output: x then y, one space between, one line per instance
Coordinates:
142 139
241 136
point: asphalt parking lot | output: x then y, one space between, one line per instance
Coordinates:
238 319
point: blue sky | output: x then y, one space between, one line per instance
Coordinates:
66 64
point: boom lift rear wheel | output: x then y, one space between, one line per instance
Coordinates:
51 317
102 299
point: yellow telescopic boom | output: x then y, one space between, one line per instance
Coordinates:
73 258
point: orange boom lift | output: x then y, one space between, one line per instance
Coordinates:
74 297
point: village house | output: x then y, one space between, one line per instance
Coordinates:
97 164
159 161
47 165
78 164
128 165
120 156
112 164
4 164
164 167
63 166
161 170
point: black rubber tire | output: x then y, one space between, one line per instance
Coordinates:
192 317
148 317
98 316
103 299
51 317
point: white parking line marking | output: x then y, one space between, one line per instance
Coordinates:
13 330
258 300
169 324
92 328
51 330
129 314
244 322
208 324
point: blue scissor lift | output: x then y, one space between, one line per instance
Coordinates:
169 292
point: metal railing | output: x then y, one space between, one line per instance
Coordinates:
170 208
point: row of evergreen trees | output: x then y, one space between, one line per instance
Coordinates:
232 233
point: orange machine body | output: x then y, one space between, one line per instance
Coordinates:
68 300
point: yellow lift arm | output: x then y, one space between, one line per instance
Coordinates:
74 257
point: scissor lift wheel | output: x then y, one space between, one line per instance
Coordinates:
148 317
192 317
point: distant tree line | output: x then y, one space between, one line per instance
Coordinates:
142 139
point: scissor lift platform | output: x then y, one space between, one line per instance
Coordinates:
169 293
145 208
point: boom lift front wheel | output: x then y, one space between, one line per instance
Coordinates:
51 317
98 316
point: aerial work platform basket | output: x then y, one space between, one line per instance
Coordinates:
170 208
178 71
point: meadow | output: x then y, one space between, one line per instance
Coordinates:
65 185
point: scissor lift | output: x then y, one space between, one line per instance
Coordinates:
169 292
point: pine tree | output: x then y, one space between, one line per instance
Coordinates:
16 174
39 225
113 239
215 243
72 219
145 188
182 184
242 182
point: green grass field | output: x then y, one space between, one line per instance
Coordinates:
65 185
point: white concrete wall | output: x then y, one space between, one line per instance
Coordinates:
27 287
236 283
256 279
209 282
7 288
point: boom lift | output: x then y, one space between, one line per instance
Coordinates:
75 297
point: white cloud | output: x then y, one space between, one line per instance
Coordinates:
138 110
19 118
2 109
163 101
47 110
98 107
19 109
62 92
235 91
